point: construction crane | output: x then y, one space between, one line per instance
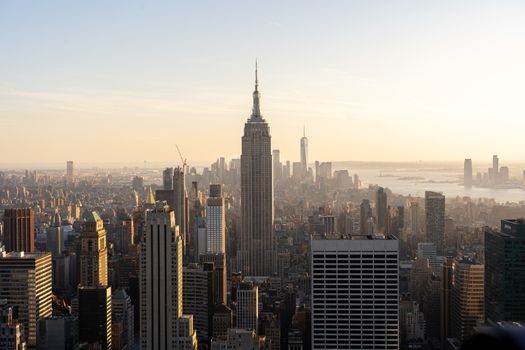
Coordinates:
182 159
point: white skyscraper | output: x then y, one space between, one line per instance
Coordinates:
162 325
355 293
215 221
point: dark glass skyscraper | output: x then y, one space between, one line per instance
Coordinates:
381 210
435 219
505 272
256 254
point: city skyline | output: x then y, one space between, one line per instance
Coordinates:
431 71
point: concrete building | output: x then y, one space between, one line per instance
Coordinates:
215 221
26 283
198 298
162 324
247 311
123 313
355 292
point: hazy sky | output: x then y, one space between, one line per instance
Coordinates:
106 81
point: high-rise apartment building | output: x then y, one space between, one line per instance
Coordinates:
26 283
504 272
381 210
256 252
467 298
355 292
167 179
180 204
467 173
247 311
162 324
215 221
19 230
435 219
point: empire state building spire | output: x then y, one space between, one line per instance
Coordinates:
256 111
256 250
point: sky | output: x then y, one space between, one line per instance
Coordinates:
124 81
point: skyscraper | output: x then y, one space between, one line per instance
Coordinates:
467 173
55 236
256 251
467 308
70 173
304 152
167 179
19 230
247 310
277 165
215 221
123 313
355 293
180 204
93 252
495 168
26 282
198 298
435 219
162 324
504 271
381 210
366 214
94 293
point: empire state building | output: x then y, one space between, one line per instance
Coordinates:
256 253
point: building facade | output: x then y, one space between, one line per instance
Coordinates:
26 283
355 293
